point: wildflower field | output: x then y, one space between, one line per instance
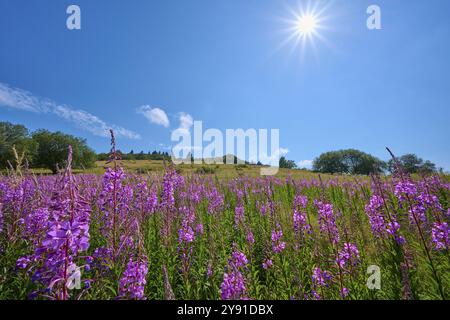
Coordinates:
124 235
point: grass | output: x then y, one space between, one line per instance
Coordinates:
157 166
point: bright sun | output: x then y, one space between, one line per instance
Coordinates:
306 24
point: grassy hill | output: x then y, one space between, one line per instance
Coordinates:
220 170
157 166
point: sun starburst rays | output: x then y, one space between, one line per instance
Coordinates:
305 27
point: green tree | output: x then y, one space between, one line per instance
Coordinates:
349 161
52 150
287 164
411 163
14 135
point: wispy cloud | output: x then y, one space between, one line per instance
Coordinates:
186 121
305 164
23 100
155 115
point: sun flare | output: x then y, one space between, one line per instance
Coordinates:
307 24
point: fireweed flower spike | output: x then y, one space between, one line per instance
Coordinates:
132 283
440 234
381 224
267 264
301 225
320 279
1 217
67 235
374 211
233 285
327 221
349 255
277 245
406 191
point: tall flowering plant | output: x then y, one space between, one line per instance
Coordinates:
233 285
66 238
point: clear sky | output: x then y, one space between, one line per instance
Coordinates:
229 64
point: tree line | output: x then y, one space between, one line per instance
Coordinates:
351 161
45 149
155 155
41 148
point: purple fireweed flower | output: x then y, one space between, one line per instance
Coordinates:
393 229
344 292
440 235
1 217
315 295
374 211
146 201
327 221
263 208
113 198
382 225
238 214
267 264
300 201
300 223
151 204
417 212
132 283
66 235
349 255
233 286
215 201
320 278
102 258
171 182
430 201
238 259
186 234
277 245
209 270
405 188
199 228
35 224
250 237
24 262
168 198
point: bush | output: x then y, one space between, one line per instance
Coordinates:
205 170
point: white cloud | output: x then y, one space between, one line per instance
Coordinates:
18 99
155 115
305 164
186 120
24 100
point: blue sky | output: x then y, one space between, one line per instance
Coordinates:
224 62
